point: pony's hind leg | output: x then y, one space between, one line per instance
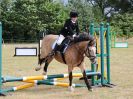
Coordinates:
47 62
40 61
70 78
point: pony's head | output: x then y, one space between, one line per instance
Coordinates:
90 51
91 54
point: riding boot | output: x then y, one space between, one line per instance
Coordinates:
56 47
64 45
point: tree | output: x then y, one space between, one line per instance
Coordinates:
122 6
108 7
51 15
123 23
5 8
26 18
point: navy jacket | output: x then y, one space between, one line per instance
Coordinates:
70 28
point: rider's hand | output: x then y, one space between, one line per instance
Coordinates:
74 35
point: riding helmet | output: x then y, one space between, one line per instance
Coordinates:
73 14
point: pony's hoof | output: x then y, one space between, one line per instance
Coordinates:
71 88
44 73
91 89
37 68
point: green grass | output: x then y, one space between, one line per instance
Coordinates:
121 75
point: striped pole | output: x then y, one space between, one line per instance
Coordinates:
24 86
48 77
52 80
41 82
46 82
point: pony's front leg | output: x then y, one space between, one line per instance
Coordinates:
70 78
86 81
85 78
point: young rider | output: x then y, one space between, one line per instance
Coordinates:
69 30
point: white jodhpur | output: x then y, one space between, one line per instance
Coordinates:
58 41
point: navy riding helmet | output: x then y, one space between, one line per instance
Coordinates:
73 14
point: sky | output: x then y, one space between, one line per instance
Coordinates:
65 2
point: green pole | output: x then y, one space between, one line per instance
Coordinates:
102 51
92 65
92 29
111 39
114 38
108 52
0 57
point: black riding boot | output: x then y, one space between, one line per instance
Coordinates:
56 47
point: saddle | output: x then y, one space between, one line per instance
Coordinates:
63 47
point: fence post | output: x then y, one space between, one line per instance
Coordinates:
1 93
102 52
108 52
92 65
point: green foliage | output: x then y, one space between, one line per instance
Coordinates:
123 24
24 19
52 16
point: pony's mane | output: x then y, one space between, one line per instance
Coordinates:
82 37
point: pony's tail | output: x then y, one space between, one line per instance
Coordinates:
39 58
40 61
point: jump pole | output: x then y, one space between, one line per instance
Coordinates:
41 82
47 77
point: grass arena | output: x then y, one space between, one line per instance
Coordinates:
121 76
19 73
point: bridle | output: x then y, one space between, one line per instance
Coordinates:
88 53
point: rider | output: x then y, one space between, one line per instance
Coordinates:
69 30
71 27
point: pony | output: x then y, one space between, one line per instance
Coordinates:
82 46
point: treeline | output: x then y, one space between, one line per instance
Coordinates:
23 20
